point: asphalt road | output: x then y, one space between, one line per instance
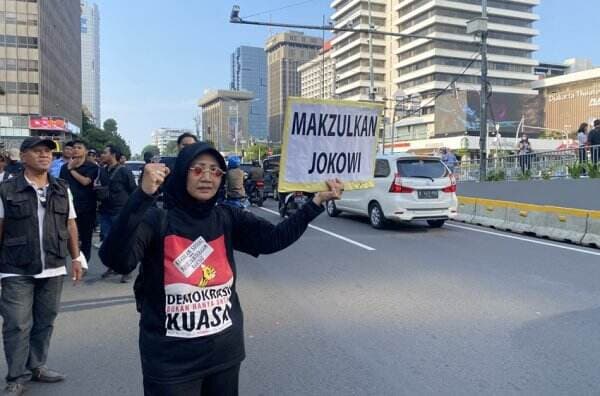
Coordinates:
404 311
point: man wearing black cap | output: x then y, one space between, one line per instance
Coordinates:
37 232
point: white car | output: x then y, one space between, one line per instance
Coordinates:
407 187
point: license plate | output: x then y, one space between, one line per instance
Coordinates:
428 194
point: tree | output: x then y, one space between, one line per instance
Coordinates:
151 149
171 148
99 138
110 126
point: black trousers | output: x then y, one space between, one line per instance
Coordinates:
86 221
222 383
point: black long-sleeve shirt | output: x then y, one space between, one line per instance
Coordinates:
191 321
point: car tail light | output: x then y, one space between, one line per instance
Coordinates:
397 186
452 187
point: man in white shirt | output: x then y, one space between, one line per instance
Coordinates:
37 231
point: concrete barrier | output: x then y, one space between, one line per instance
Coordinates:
466 209
562 224
578 226
490 213
592 234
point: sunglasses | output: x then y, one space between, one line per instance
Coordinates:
200 170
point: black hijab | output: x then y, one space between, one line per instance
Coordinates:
176 187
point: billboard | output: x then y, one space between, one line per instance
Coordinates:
48 123
459 112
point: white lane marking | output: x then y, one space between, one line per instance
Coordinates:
102 302
333 234
543 243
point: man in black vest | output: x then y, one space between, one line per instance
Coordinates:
37 233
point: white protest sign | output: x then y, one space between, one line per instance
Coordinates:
193 257
326 139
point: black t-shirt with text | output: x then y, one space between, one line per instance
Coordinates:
84 198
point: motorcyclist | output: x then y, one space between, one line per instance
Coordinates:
256 174
235 179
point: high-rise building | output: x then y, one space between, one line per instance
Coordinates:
249 73
421 68
225 117
285 53
351 50
161 137
317 76
40 69
90 59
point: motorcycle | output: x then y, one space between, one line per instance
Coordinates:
241 203
292 202
255 190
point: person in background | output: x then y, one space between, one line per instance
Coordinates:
2 166
449 159
57 164
121 184
594 142
80 174
123 159
92 156
185 139
37 232
14 165
525 151
582 141
235 179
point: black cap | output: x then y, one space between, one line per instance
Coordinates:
34 141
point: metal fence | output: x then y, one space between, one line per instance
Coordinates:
537 165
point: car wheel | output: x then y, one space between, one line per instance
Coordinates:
332 209
376 216
436 223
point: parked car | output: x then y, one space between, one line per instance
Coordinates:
407 188
136 168
271 168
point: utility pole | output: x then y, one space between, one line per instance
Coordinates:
483 132
371 75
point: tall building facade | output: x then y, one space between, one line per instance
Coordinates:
90 59
40 68
161 137
249 73
225 117
420 68
317 76
286 52
351 50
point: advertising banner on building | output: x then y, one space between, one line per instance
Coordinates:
328 139
47 123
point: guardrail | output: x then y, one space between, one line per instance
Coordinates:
537 165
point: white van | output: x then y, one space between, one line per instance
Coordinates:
407 187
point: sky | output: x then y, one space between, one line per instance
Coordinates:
157 60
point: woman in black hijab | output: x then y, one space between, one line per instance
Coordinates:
191 324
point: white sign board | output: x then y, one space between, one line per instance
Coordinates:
324 140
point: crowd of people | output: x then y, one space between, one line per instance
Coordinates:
49 208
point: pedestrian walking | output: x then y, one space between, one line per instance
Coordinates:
120 184
58 163
525 151
191 331
80 174
14 165
594 142
37 231
582 139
